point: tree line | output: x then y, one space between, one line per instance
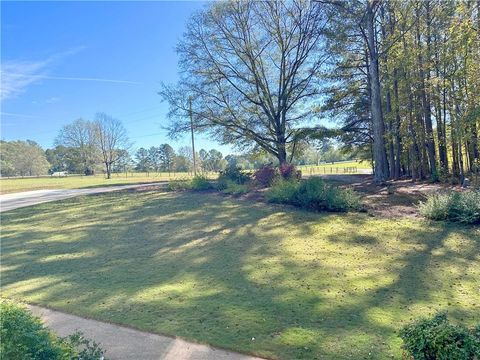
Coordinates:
27 158
401 79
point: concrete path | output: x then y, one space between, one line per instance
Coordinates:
29 198
123 343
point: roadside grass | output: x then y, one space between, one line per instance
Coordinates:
79 181
263 279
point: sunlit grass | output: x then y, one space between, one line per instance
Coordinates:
78 181
251 277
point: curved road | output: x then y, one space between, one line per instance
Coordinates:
29 198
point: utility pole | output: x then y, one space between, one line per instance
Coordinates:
193 139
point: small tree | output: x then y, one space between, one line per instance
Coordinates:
111 138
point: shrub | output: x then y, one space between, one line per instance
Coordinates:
235 174
232 188
313 194
25 337
287 171
463 207
200 183
266 175
282 192
179 185
436 338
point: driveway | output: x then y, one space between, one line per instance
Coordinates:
29 198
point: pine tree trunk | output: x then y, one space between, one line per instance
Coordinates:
379 155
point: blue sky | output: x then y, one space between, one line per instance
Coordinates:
67 60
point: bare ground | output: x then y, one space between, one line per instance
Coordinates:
395 199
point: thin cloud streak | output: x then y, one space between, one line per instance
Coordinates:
17 115
48 77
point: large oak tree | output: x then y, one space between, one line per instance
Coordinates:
249 71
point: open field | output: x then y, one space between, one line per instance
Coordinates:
239 274
349 167
80 182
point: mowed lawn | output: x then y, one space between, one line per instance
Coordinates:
79 181
251 277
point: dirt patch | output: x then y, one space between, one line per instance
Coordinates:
395 199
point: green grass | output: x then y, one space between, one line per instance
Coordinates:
78 181
351 167
251 277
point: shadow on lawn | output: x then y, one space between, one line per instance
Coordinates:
239 275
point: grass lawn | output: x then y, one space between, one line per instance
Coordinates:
78 181
268 280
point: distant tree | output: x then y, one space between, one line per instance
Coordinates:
142 160
154 156
212 160
166 157
63 158
183 160
80 135
111 138
124 162
22 158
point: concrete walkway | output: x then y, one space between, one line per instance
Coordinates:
29 198
123 343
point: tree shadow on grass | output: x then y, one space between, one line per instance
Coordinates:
221 271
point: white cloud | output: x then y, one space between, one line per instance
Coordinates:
16 76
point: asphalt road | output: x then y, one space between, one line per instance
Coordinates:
29 198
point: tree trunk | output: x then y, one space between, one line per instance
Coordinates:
379 155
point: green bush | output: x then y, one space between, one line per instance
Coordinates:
282 191
463 207
437 339
233 173
179 185
200 183
24 337
232 188
197 183
313 194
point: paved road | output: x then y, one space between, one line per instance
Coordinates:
29 198
122 343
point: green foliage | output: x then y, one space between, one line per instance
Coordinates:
22 158
197 183
282 192
232 188
24 337
233 173
314 194
437 339
86 348
179 185
463 207
200 183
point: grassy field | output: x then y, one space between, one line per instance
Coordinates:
78 181
351 167
246 276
